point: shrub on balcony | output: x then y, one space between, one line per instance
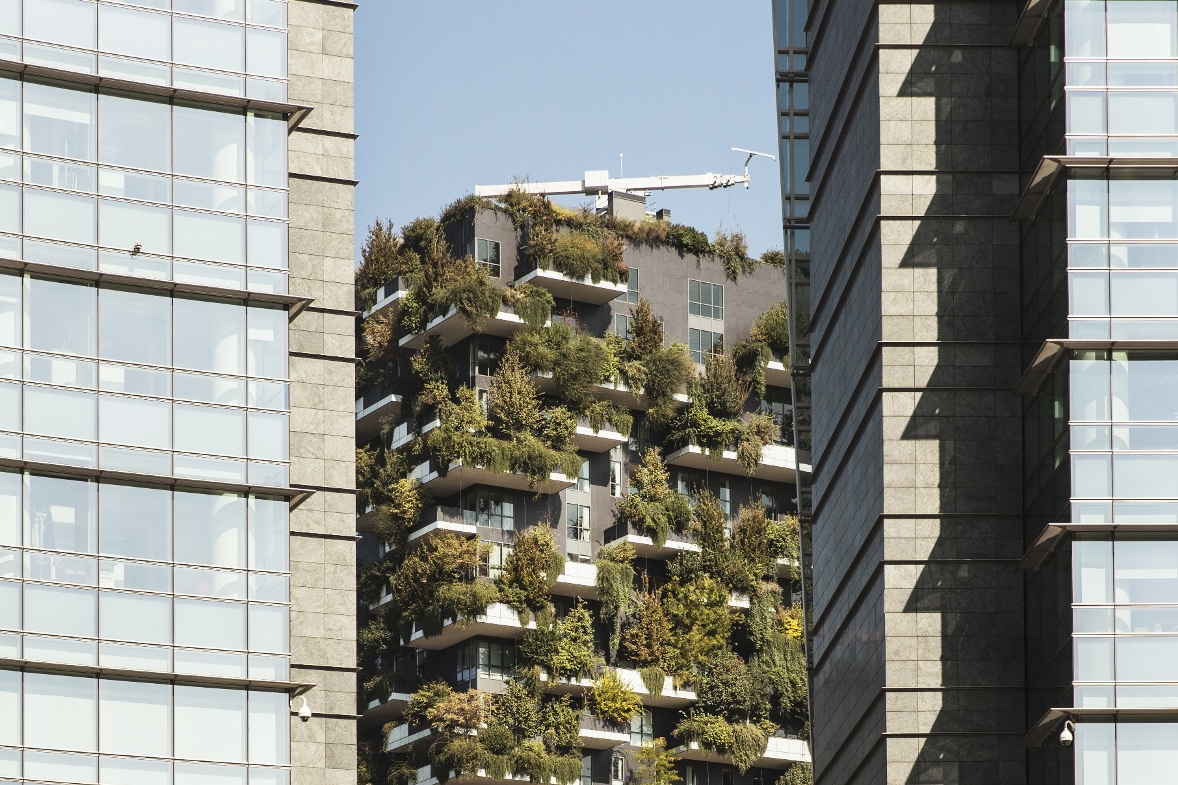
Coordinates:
734 690
656 766
383 257
529 571
575 655
652 508
530 303
646 638
801 773
772 328
435 582
742 742
562 726
697 608
615 587
611 700
657 371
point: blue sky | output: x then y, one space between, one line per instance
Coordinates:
454 93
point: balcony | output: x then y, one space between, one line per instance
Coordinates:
777 375
460 476
589 440
425 777
777 462
781 753
499 621
578 579
404 433
669 698
644 546
388 298
381 710
581 290
440 520
596 734
453 327
402 737
373 407
614 392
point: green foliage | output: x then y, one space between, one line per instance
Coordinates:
700 622
422 702
798 774
784 542
497 739
772 327
574 654
566 768
590 254
733 251
400 773
653 508
400 513
513 403
615 587
656 766
612 700
647 635
462 434
374 639
518 709
687 240
382 258
531 760
729 688
742 742
530 303
562 725
776 634
750 358
460 755
436 582
748 744
658 371
653 678
529 571
432 375
774 257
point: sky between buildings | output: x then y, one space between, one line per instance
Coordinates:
454 93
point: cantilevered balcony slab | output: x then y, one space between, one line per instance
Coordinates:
499 621
401 737
425 777
599 735
581 290
777 374
441 520
777 462
670 698
388 299
404 434
645 548
381 710
371 410
589 440
579 579
614 392
453 327
460 476
781 753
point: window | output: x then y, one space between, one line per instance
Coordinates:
577 519
706 299
641 729
617 770
631 295
587 770
687 483
496 660
485 354
493 566
622 325
487 255
466 662
583 477
777 405
641 438
726 497
490 508
769 500
615 479
704 343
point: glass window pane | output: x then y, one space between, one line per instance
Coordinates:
1092 578
135 617
209 44
10 406
136 33
59 513
10 112
210 624
269 728
1146 571
135 521
59 216
1094 740
267 342
10 509
210 724
268 532
134 326
1146 751
10 708
266 53
59 120
10 311
209 336
58 610
128 771
69 22
267 244
269 628
10 206
210 529
126 226
49 699
135 422
1141 29
218 9
218 238
1145 476
204 429
267 150
135 718
209 143
64 413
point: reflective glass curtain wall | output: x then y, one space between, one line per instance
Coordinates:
1121 60
144 393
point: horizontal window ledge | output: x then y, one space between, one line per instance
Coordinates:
294 303
294 113
295 495
293 687
1052 167
1052 719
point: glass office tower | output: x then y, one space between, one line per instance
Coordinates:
146 471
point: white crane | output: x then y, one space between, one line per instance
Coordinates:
599 183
